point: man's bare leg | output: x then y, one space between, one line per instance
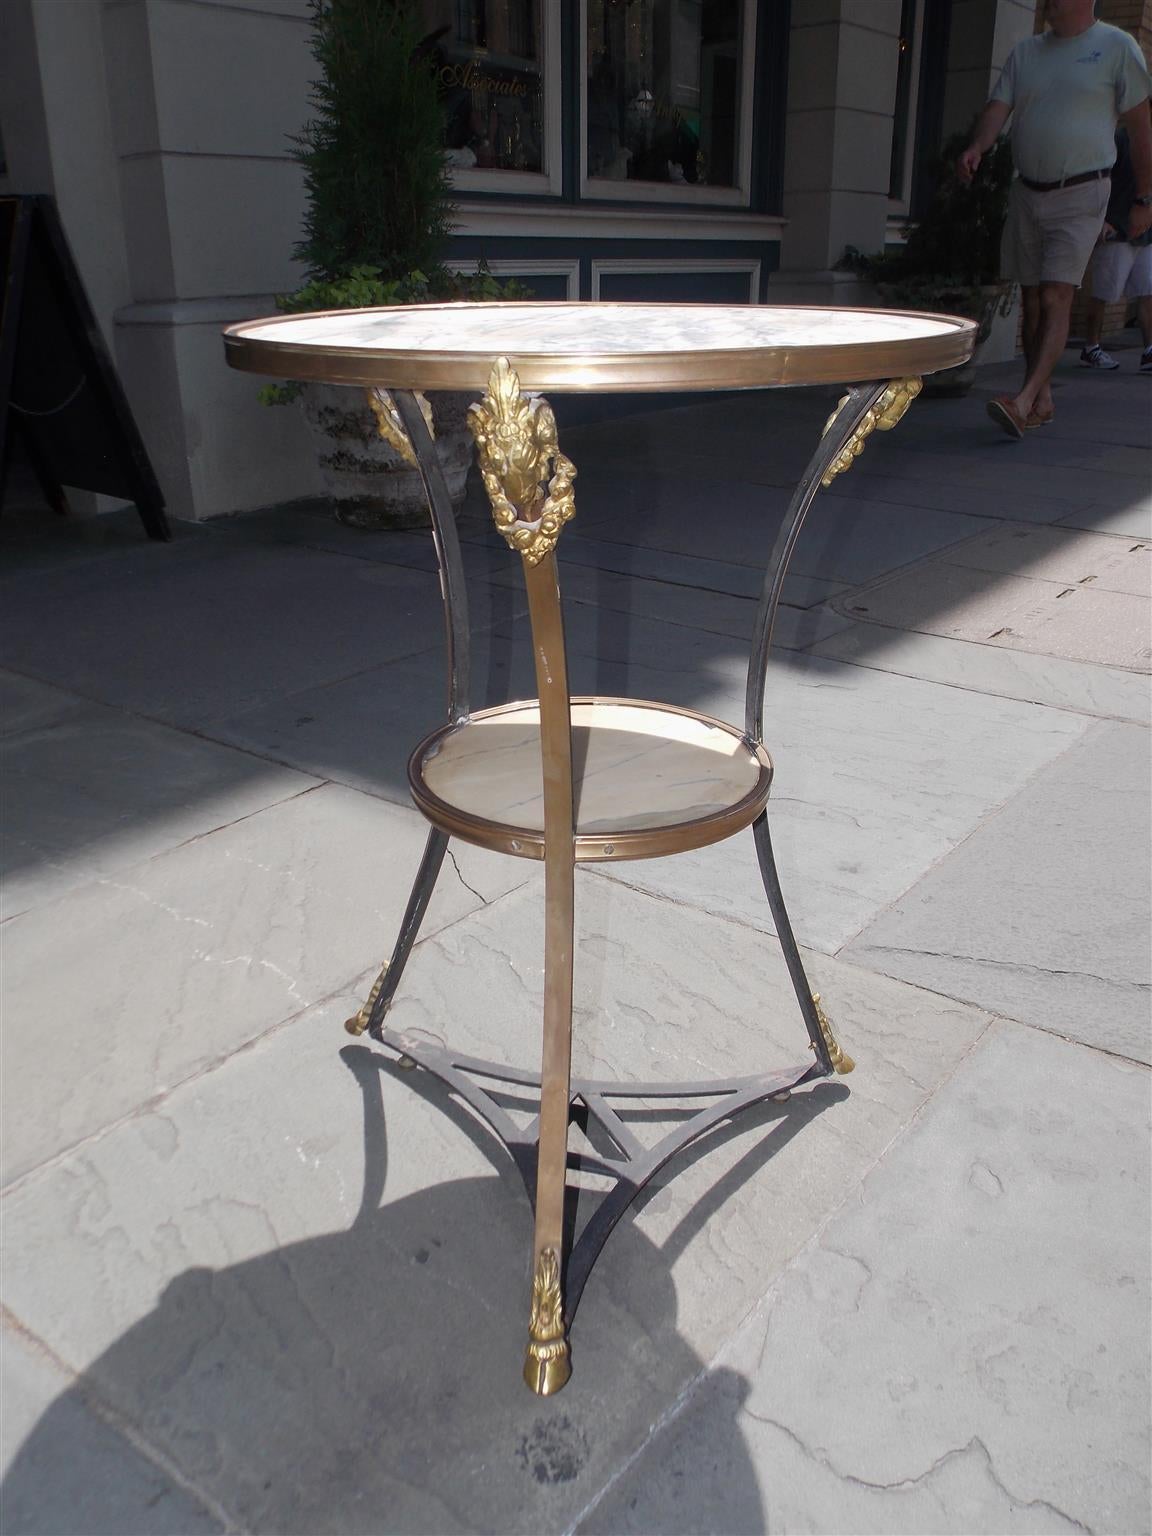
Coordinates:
1030 325
1054 304
1093 323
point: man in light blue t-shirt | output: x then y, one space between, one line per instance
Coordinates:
1065 89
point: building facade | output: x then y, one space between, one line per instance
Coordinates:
724 150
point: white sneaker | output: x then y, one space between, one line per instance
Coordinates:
1096 357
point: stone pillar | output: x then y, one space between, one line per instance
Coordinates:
203 98
161 130
842 65
981 36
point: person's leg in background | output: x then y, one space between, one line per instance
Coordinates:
1055 231
1107 274
1093 354
1144 315
1139 287
1055 301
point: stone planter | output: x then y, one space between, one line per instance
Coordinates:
370 484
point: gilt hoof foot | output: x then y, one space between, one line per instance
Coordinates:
547 1367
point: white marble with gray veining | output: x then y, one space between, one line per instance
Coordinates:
632 768
623 330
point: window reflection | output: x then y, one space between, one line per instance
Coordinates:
663 90
487 59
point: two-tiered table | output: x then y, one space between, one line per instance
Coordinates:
570 780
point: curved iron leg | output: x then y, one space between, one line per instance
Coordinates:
371 1016
787 939
858 402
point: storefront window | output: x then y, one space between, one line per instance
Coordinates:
487 57
663 91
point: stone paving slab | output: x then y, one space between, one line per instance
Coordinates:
1080 686
27 705
738 520
35 542
944 1356
887 483
1132 517
1042 913
997 471
970 453
135 981
121 1491
96 791
232 628
195 1245
312 525
303 1276
927 763
716 612
1079 623
1104 561
1062 449
361 730
702 573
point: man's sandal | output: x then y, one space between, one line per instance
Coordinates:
1040 418
1004 413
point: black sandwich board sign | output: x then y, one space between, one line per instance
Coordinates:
59 393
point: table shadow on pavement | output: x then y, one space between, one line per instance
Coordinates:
369 1380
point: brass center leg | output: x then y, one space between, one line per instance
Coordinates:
529 483
546 1364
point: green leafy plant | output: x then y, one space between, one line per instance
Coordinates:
951 256
375 176
378 196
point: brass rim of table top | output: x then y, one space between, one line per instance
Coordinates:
593 847
719 368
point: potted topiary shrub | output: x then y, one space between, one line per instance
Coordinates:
376 221
950 261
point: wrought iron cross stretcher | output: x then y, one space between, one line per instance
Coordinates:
509 348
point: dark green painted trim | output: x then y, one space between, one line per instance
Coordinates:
928 135
571 125
770 84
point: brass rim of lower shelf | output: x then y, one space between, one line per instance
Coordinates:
601 846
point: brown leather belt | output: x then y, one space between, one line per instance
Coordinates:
1069 181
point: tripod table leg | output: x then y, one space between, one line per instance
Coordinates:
546 1364
384 987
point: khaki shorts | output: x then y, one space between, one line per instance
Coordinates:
1049 236
1121 271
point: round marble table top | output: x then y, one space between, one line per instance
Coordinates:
579 347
